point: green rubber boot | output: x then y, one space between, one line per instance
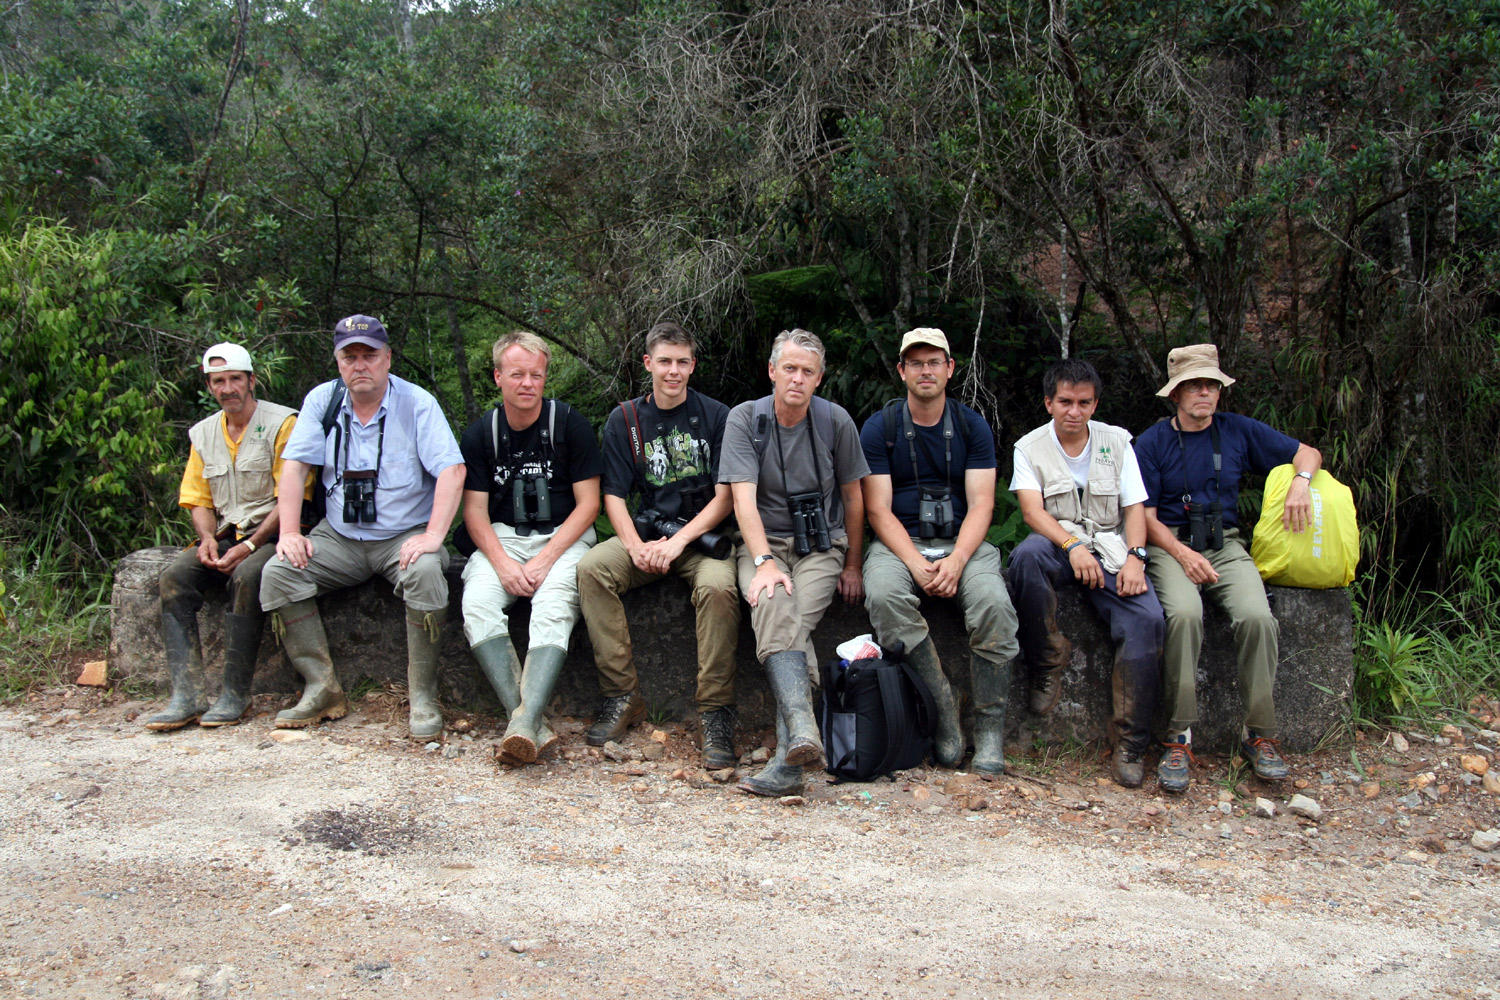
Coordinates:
179 636
787 673
948 747
501 667
991 685
241 647
306 644
423 629
777 778
523 736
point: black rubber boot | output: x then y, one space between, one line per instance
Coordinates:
306 644
948 747
501 667
777 778
423 629
991 686
522 741
787 674
241 647
179 636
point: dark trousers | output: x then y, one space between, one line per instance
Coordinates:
1037 568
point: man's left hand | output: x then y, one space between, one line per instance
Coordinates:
1131 580
537 567
1298 511
417 546
851 585
662 553
236 554
948 570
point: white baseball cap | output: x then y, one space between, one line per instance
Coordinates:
232 358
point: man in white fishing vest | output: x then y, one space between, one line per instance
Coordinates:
1080 490
229 491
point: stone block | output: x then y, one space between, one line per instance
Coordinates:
367 637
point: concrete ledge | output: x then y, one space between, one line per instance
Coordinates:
367 637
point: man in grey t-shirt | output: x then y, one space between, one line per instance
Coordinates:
794 464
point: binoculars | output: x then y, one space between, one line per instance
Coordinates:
530 500
1204 531
809 523
359 496
935 515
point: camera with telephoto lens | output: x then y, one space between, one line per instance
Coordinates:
935 514
1204 531
530 500
809 523
359 496
651 525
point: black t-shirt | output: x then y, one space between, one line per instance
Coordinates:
973 447
680 448
572 457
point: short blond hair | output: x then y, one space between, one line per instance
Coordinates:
526 341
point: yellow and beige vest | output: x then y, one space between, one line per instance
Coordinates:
1098 508
243 487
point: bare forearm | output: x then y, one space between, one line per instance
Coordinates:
445 499
289 490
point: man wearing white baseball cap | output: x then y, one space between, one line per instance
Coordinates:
229 491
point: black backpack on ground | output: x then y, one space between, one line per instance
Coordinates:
877 717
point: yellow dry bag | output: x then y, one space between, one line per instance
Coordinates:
1322 555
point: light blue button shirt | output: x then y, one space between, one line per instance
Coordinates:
419 445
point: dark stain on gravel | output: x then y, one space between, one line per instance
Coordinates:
358 828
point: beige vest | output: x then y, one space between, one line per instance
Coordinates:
243 487
1099 507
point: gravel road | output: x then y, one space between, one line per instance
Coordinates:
348 862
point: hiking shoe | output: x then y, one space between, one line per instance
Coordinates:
615 717
1263 756
718 738
1126 767
1047 688
1172 772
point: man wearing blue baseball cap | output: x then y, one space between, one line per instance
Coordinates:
393 476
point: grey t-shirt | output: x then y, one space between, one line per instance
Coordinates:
843 463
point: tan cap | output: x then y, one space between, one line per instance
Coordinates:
232 358
1190 362
928 335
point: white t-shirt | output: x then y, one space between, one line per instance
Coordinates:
1132 487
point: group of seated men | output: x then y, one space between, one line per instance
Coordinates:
1144 529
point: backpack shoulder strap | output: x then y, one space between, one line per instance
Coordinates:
760 425
897 722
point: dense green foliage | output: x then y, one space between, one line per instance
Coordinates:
1313 185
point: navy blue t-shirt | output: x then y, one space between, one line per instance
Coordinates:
973 447
1245 443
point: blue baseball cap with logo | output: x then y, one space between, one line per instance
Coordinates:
360 329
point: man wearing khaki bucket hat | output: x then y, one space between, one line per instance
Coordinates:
1192 464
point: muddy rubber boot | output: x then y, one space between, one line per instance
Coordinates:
306 644
501 667
179 636
523 736
777 778
948 746
787 673
991 685
241 647
425 720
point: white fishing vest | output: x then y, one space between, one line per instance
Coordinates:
243 487
1098 509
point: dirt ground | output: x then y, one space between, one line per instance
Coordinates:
350 862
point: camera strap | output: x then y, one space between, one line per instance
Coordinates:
910 431
1213 437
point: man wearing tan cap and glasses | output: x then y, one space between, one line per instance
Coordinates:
1192 464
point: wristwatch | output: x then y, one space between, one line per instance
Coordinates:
1140 553
1305 475
763 559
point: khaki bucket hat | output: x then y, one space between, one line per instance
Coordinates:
1190 362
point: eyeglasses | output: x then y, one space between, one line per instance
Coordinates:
935 364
